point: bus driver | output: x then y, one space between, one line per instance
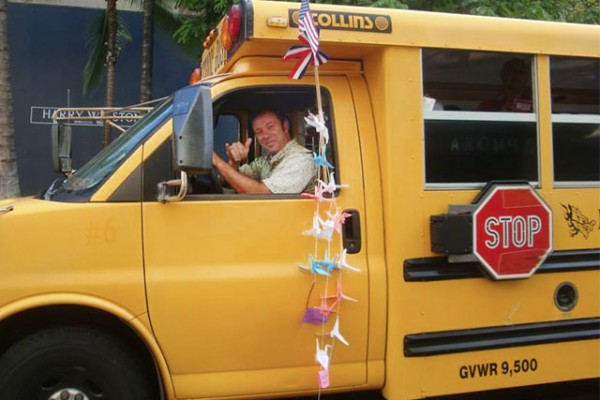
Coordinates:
286 167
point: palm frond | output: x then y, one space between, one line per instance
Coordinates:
95 44
93 71
123 34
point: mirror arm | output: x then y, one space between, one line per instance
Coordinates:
183 187
112 124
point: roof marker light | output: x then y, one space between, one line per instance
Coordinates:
277 22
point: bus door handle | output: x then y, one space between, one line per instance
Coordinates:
351 232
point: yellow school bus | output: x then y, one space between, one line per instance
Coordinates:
141 277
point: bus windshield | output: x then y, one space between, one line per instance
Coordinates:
80 186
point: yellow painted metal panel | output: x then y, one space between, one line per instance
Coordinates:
481 302
430 29
477 371
544 113
93 249
373 240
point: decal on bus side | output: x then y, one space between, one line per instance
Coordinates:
578 223
506 368
346 21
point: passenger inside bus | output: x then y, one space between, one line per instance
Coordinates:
516 93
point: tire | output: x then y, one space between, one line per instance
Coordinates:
77 360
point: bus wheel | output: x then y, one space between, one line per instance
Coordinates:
72 363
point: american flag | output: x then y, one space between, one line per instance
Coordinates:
308 29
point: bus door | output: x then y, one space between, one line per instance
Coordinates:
226 295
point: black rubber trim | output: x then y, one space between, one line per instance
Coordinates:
439 269
248 21
460 341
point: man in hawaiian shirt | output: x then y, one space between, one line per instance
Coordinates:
286 168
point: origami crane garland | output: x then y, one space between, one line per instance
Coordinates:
324 192
324 230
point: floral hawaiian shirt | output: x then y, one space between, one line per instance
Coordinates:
290 170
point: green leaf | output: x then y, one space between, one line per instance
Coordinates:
93 71
94 67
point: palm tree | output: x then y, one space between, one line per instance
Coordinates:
104 47
110 62
106 37
147 54
9 179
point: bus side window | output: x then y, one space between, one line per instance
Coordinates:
479 121
461 80
574 84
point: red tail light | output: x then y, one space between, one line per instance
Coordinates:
234 22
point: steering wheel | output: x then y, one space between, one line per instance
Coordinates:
216 178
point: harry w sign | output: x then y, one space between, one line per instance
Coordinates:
512 231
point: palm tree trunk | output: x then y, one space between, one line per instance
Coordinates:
9 179
111 61
147 56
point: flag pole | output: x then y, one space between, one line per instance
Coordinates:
318 88
322 173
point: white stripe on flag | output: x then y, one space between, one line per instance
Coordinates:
307 27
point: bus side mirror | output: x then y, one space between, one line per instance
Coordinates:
61 148
193 128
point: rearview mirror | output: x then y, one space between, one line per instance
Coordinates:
61 148
193 127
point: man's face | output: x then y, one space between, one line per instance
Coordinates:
270 132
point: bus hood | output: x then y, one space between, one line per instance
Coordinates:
51 247
31 227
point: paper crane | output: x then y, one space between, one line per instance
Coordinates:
326 309
327 263
316 227
318 124
321 159
330 186
320 267
342 263
338 219
315 267
322 355
321 229
318 195
335 332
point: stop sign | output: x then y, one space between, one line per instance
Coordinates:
512 231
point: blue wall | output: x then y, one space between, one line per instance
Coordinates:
47 57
